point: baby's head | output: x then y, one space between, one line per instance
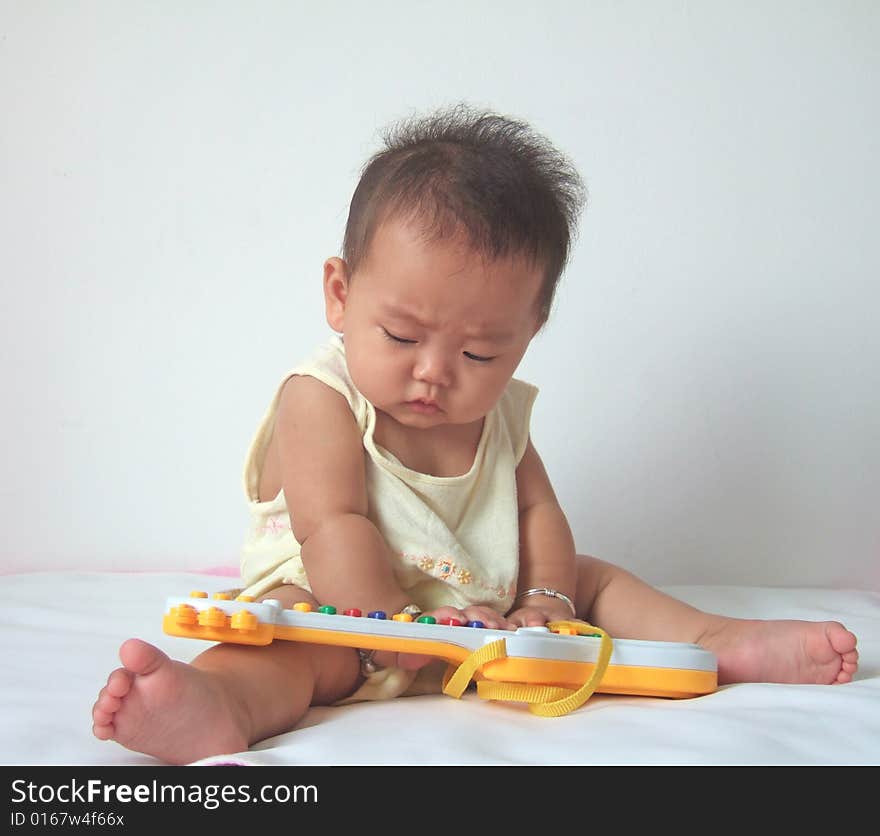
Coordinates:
457 235
485 179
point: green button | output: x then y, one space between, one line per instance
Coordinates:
327 610
426 619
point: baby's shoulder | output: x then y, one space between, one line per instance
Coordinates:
514 413
518 397
323 380
311 397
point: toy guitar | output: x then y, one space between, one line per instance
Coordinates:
554 668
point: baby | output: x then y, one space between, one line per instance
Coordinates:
394 470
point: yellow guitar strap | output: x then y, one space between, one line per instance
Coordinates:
544 700
457 679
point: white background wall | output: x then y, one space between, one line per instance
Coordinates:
173 174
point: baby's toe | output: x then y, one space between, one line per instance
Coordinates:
104 710
118 683
841 639
103 731
850 665
101 716
107 703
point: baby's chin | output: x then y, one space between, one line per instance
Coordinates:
416 418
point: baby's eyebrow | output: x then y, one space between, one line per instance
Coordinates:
489 333
492 335
401 313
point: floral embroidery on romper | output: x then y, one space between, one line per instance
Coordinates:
275 525
446 570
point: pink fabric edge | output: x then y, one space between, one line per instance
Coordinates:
225 571
222 571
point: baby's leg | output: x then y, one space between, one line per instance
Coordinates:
229 697
748 650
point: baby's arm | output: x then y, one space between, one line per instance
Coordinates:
321 460
547 552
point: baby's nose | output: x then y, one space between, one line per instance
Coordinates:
433 367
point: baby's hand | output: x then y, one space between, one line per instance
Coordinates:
489 618
539 613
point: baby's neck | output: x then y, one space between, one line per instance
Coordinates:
447 450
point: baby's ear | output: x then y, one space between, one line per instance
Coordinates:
336 281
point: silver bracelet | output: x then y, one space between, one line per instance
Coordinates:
550 593
368 665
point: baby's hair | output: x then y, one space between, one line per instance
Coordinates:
477 173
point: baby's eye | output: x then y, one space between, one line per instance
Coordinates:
472 356
396 339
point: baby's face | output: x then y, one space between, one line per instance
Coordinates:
433 332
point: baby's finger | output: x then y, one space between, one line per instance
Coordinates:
528 617
488 617
446 614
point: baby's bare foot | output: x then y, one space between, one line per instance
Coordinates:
167 709
814 652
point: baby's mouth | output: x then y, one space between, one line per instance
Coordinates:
424 405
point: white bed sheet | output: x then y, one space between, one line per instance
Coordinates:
61 632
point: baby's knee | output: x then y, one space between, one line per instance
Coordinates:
289 594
